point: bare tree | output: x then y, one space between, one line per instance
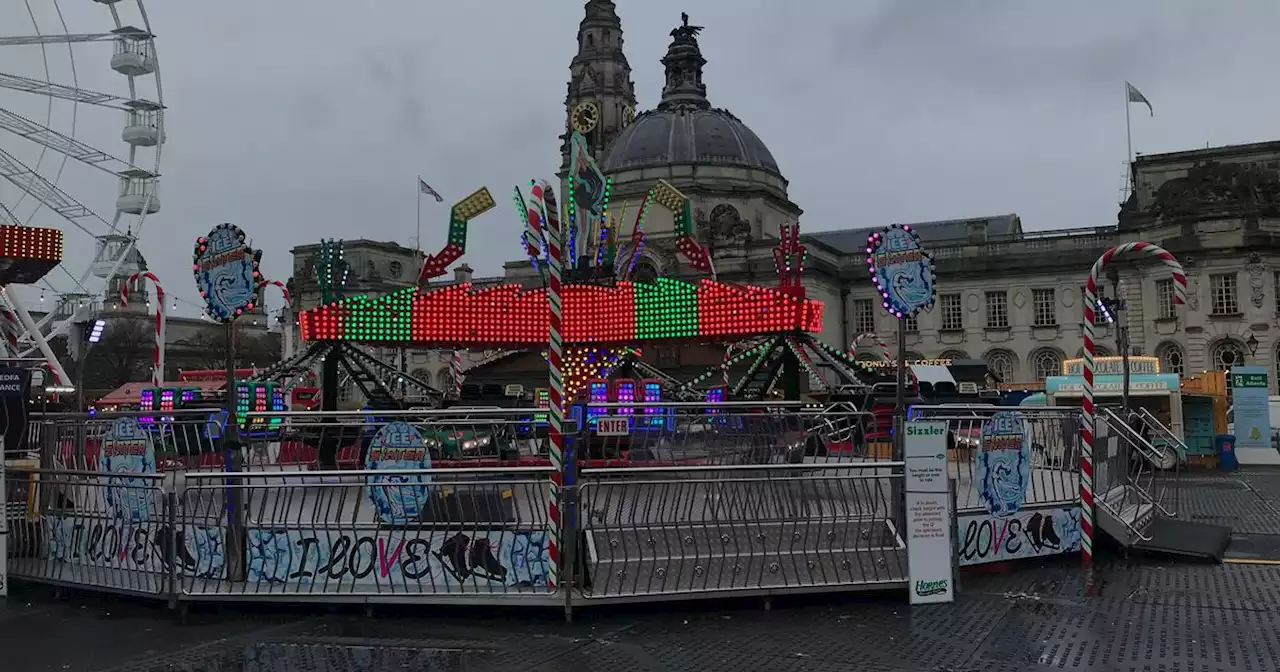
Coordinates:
123 355
207 348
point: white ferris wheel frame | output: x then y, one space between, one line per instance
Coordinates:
34 336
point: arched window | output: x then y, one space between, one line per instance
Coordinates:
913 356
1003 364
422 375
1227 354
1100 351
1046 362
645 272
1171 358
954 354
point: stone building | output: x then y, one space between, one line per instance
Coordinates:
1008 295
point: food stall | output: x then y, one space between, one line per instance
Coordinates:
1159 393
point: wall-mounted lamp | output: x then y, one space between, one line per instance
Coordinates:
1252 344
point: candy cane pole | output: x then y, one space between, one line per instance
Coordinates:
287 315
724 367
455 368
11 329
555 353
157 360
1088 418
870 336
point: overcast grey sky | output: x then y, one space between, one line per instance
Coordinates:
300 120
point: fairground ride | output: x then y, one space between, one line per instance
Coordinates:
59 170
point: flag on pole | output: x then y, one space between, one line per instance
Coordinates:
1135 96
425 188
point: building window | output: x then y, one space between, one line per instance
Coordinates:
1001 363
997 310
1228 354
1164 300
1171 359
954 355
952 312
1046 363
910 324
864 316
1224 294
1277 292
1046 307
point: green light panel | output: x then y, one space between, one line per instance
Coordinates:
666 309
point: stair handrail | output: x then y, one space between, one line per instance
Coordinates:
1150 452
1153 453
1162 429
1181 446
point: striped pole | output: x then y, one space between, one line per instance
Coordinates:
1088 418
455 371
11 329
724 367
555 354
870 336
157 359
287 314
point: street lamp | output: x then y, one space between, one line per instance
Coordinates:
96 329
1252 344
90 333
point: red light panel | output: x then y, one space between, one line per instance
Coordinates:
28 253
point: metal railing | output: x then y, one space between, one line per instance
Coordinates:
84 528
444 535
1140 473
1053 475
690 500
662 531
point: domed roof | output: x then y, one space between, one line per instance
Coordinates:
685 129
688 135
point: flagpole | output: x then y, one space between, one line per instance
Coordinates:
417 242
1128 136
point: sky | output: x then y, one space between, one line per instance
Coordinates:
299 121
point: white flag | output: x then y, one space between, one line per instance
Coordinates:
1135 96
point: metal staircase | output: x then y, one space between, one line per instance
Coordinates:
1137 501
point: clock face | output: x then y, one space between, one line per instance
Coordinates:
585 117
628 114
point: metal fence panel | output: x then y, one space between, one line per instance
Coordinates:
461 535
1055 451
89 529
667 531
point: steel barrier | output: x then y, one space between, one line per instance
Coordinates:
690 501
1055 451
663 532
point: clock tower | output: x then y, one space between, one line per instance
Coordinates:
602 98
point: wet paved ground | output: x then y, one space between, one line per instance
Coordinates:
1148 614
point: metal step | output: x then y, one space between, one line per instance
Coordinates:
1125 514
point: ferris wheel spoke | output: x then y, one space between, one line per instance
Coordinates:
46 192
122 32
40 87
63 144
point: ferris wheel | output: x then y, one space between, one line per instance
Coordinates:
81 132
